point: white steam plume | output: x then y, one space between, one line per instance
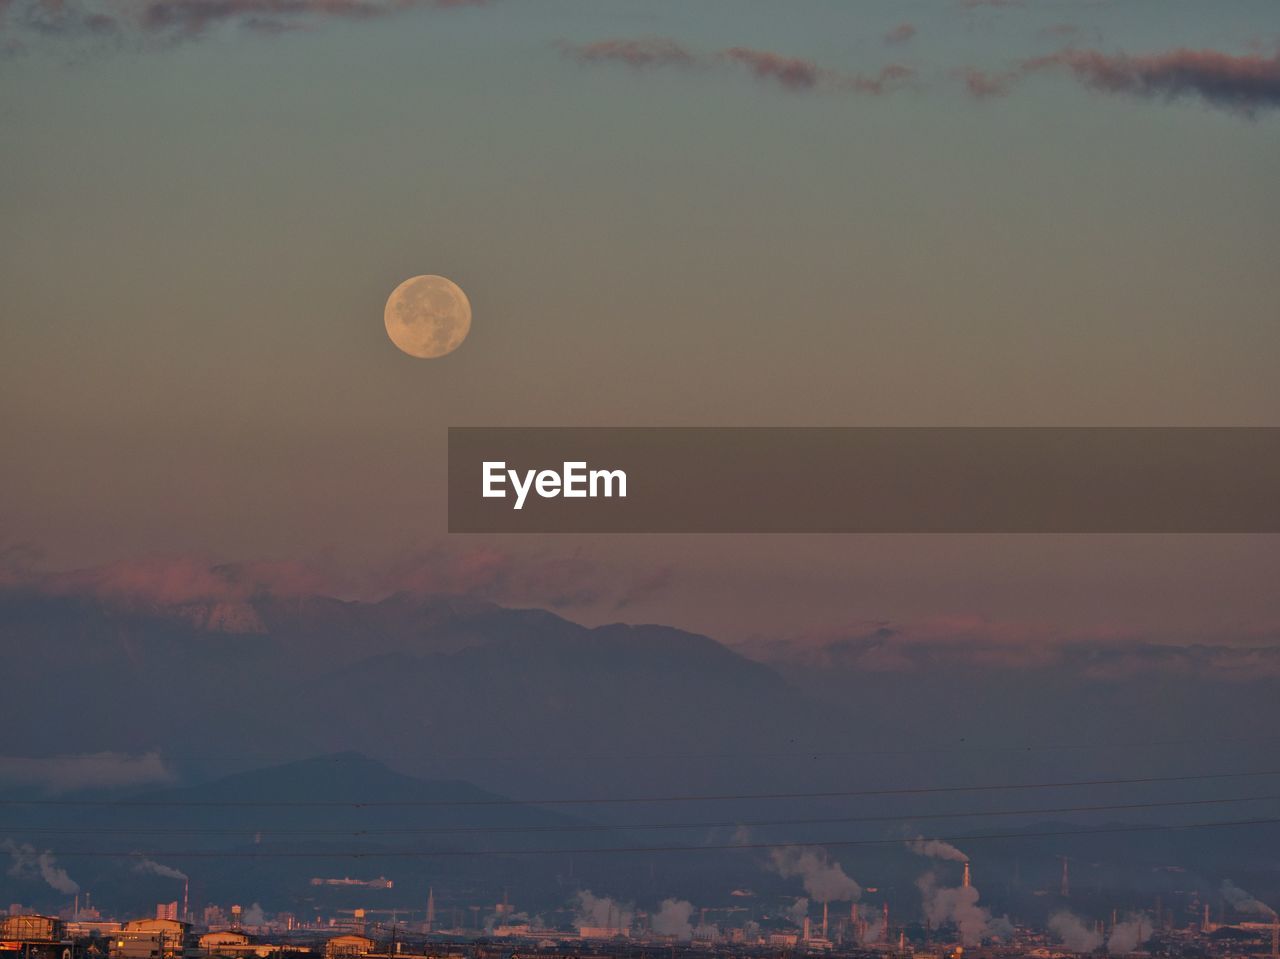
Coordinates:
1074 933
799 909
601 911
936 849
26 862
823 879
158 869
1242 901
1127 934
672 919
957 904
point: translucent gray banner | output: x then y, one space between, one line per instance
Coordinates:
864 480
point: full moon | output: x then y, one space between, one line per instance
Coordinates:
427 316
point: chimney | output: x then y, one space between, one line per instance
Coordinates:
884 934
431 908
804 934
824 920
186 900
966 874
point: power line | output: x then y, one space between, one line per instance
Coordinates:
605 827
723 797
439 853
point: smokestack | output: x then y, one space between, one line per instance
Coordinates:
824 920
884 935
186 900
1066 880
431 908
965 883
804 934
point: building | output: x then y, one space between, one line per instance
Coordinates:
153 939
346 947
34 936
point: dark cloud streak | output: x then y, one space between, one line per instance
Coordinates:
793 74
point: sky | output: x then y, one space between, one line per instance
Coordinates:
663 213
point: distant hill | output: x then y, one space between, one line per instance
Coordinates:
444 705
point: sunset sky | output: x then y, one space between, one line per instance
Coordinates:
963 212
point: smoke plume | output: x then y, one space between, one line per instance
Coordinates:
158 869
672 919
873 925
601 912
1243 902
823 878
1074 933
1126 937
27 863
936 849
954 904
799 909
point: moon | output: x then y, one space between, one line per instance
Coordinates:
427 316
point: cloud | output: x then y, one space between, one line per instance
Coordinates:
965 643
901 33
25 862
220 597
1241 84
790 72
793 74
107 770
983 83
643 52
169 20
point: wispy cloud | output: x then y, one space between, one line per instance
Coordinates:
901 33
793 74
61 774
1242 84
641 52
168 20
221 596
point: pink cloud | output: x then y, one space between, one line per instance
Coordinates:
901 33
645 52
185 19
1243 84
221 596
791 73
